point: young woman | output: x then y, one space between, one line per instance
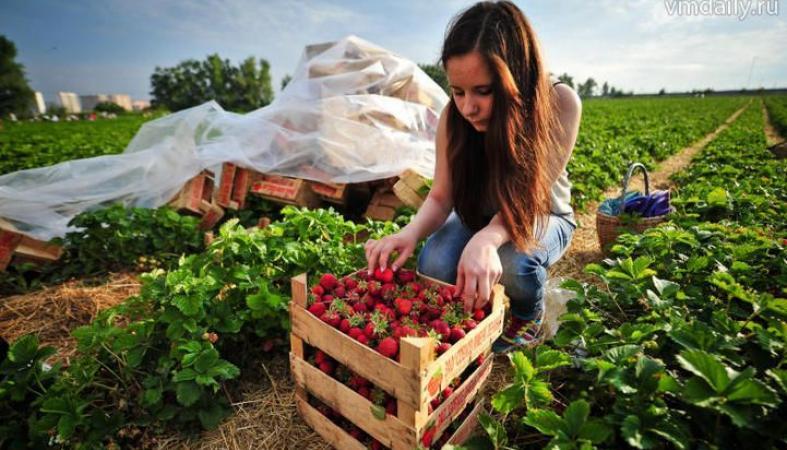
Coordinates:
499 209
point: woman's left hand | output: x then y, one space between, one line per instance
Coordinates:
479 269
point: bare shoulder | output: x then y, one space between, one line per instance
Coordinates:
568 103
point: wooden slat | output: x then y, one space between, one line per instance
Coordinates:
467 427
329 431
412 179
390 431
224 192
408 196
385 373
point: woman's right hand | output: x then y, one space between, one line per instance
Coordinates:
379 251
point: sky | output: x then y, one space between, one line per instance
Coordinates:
113 46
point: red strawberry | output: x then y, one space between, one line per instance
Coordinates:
390 406
356 433
373 288
441 328
365 392
331 318
376 445
403 306
426 439
320 356
317 308
388 347
448 391
339 291
350 283
469 324
456 334
479 314
384 276
328 282
327 367
480 360
416 287
405 276
443 347
388 291
435 403
360 307
318 290
327 298
354 332
344 326
447 292
362 339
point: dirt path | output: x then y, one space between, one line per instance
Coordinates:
772 135
584 246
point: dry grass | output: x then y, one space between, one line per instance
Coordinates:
55 311
772 136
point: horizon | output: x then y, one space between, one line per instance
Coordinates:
637 45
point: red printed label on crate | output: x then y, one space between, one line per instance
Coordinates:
275 189
327 190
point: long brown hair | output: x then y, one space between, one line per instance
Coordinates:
513 162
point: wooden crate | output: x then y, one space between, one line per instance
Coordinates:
197 189
233 187
409 188
383 205
414 381
291 191
211 214
331 192
18 247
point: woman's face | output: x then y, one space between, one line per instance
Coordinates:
471 88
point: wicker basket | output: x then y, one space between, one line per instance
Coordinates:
610 227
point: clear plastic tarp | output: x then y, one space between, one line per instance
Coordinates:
353 112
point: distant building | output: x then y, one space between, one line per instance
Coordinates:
70 101
122 100
140 105
39 107
89 102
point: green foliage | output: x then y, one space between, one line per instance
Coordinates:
23 382
15 94
683 343
614 133
27 145
243 88
109 107
160 358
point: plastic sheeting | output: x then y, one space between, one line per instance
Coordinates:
353 112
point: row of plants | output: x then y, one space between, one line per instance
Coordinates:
27 145
682 344
777 111
615 133
158 360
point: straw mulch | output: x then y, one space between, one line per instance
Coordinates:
772 135
53 312
265 416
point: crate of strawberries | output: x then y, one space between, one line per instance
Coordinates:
390 360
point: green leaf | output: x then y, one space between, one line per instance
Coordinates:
548 359
706 366
508 399
66 426
188 392
522 366
151 396
665 288
698 392
630 430
494 429
545 421
206 360
211 416
717 197
378 412
752 391
23 349
538 394
186 374
575 416
595 431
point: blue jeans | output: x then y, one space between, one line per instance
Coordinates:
524 274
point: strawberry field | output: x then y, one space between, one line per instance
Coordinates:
678 343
